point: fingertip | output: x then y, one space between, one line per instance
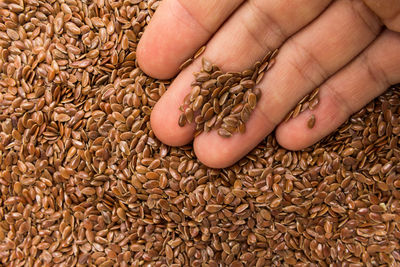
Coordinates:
288 138
211 153
165 126
160 50
151 58
219 152
292 136
169 40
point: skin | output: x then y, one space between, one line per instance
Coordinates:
348 48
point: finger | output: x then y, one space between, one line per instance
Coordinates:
165 114
242 40
177 29
257 27
304 62
368 76
388 11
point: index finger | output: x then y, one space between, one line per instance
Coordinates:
177 30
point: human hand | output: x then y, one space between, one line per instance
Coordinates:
340 46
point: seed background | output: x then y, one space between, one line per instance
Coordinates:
84 181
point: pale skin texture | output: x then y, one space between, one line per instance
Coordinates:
349 48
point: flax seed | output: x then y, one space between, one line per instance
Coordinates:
84 180
311 121
185 64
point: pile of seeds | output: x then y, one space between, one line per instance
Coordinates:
83 180
223 101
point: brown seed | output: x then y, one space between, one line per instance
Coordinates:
288 116
311 121
88 191
313 103
195 93
93 53
270 64
202 77
210 123
198 103
241 208
263 67
199 52
209 114
121 214
185 64
207 66
314 94
97 22
252 100
212 208
12 34
248 84
236 89
209 84
168 252
223 99
260 76
224 133
242 127
71 27
81 63
228 128
182 120
223 78
62 117
204 109
237 109
230 120
296 111
189 115
245 113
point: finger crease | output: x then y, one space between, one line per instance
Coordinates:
197 21
272 98
310 59
268 21
372 23
265 117
341 101
264 46
375 72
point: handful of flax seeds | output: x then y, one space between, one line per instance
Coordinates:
223 101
